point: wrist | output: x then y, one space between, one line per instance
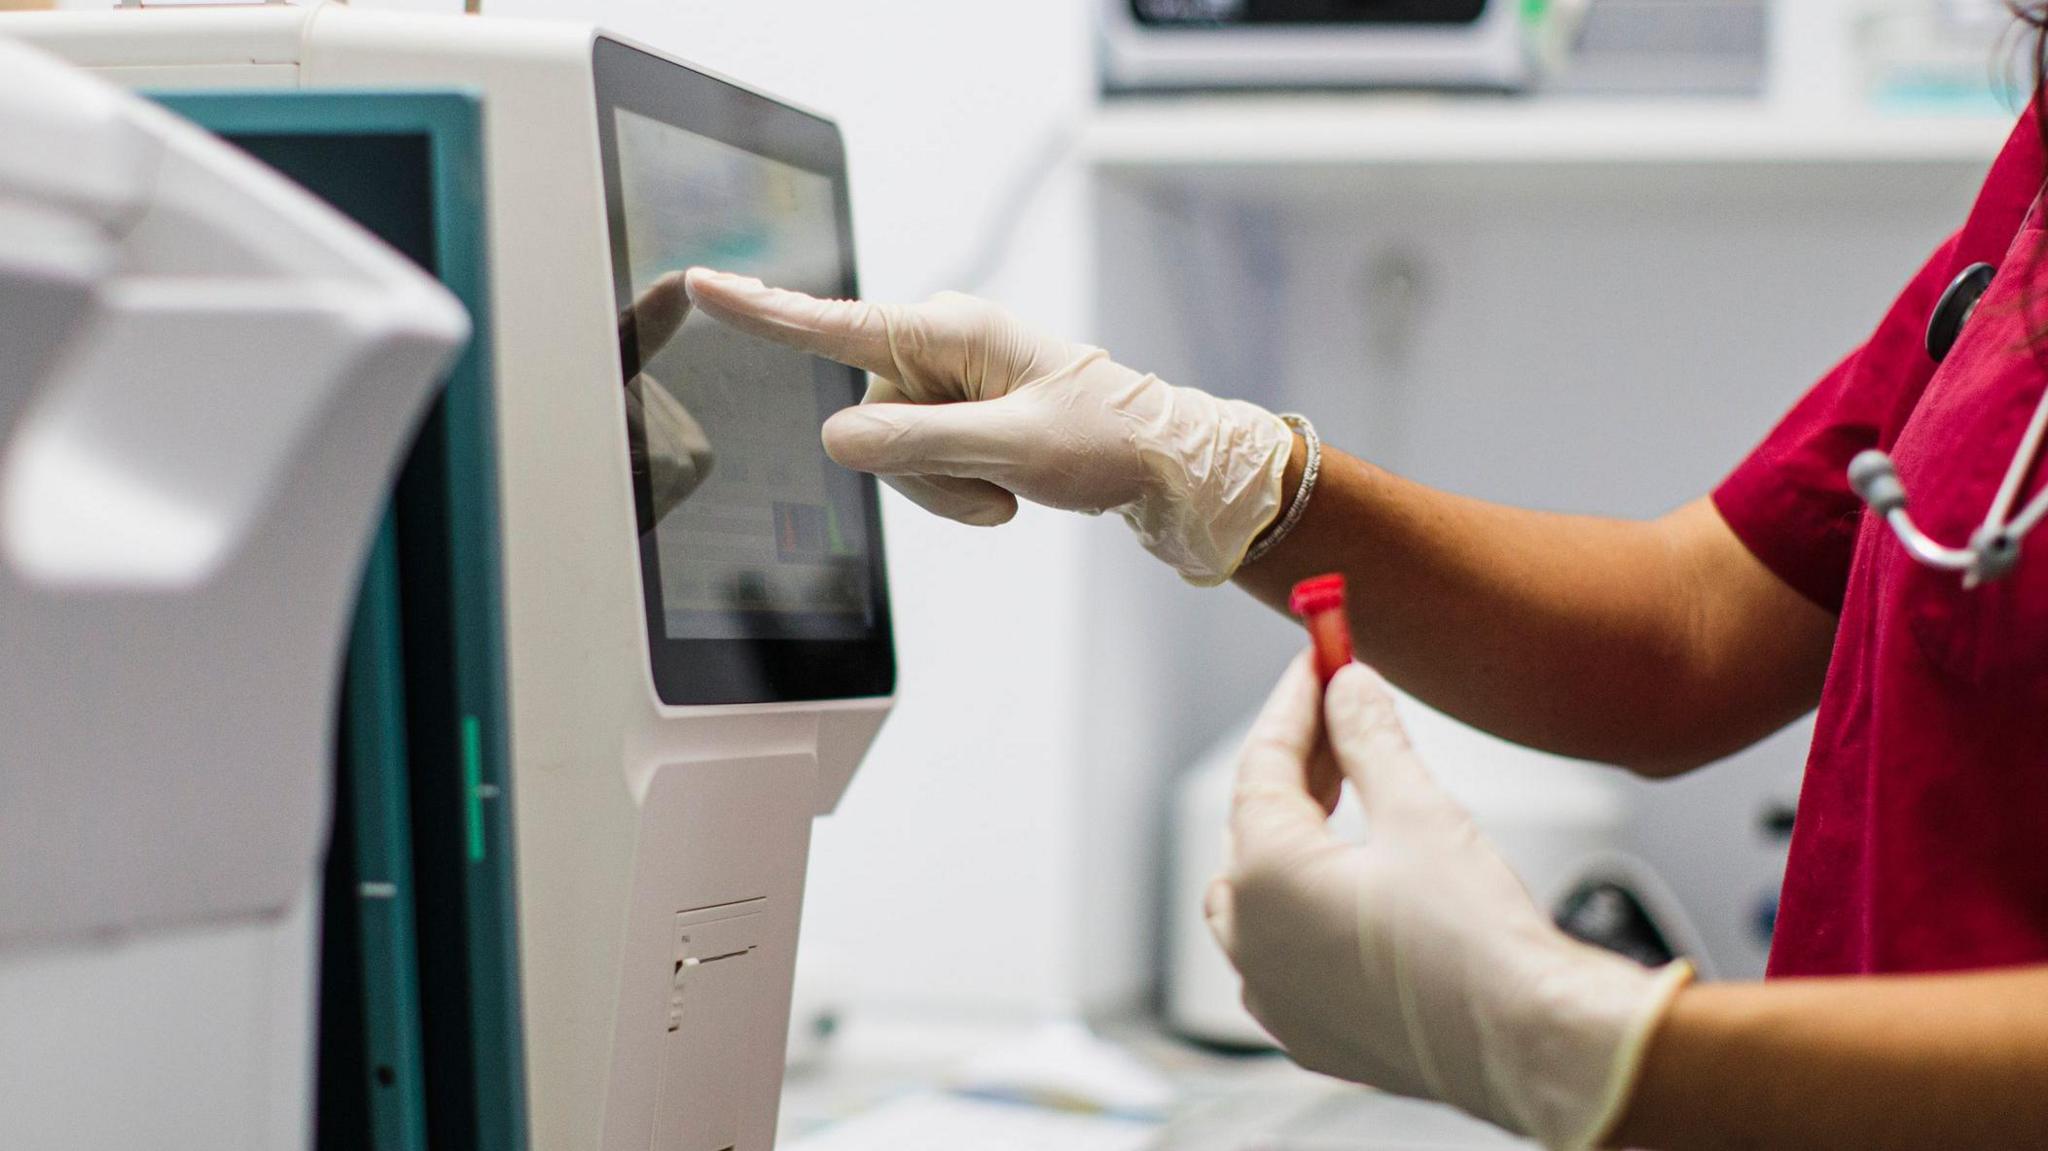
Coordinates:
1294 495
1215 471
1290 485
1297 480
1574 1059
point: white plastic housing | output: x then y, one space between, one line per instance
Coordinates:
217 378
628 813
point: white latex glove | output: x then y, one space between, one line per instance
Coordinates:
1416 963
1060 424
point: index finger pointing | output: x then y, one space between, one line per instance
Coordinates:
854 332
1272 808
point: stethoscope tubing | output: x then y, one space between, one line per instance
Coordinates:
1993 549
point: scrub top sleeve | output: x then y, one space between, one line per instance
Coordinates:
1789 502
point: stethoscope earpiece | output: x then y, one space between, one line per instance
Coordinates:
1876 482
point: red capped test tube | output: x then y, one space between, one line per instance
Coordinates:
1320 604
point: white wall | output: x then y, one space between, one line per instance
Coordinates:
942 881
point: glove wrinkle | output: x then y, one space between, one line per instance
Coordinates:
903 365
1411 1010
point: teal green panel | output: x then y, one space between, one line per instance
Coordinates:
375 794
353 148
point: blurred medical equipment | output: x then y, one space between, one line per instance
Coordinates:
1181 44
209 381
1957 56
1557 822
1994 548
1649 47
684 700
1713 47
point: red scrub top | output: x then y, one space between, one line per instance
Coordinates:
1921 842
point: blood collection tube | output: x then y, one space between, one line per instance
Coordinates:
1320 604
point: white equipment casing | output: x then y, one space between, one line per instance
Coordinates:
1489 52
1554 820
208 379
649 837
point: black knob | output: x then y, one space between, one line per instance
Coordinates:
1954 308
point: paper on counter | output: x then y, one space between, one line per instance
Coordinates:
939 1122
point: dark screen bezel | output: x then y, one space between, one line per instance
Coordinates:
699 672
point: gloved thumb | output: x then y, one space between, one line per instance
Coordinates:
977 503
1371 744
1272 814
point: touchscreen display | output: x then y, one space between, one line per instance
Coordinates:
756 533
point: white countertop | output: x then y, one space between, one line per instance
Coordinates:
1222 1102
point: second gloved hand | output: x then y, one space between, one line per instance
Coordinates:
968 410
1417 962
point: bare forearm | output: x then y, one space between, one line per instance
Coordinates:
1919 1061
1656 645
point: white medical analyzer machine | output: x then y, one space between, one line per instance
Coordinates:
207 381
697 622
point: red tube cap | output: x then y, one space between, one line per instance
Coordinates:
1320 594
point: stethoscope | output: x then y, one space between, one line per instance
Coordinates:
1995 546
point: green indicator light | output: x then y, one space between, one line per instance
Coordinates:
473 784
835 541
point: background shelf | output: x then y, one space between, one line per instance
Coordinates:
1338 131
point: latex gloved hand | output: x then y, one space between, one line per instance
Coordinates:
668 445
1416 963
968 410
